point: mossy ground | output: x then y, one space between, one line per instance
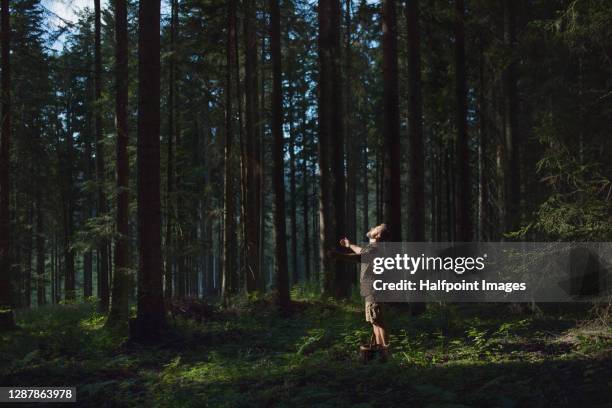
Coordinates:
250 356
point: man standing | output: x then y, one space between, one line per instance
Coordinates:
374 312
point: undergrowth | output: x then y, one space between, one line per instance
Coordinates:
250 355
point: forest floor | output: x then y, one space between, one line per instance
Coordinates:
249 356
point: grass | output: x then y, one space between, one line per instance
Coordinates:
249 356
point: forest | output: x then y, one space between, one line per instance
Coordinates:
176 175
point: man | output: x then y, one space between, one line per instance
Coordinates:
374 313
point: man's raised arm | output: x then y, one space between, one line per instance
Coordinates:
355 256
347 244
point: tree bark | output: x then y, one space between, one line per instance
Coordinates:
392 213
366 188
512 156
483 170
331 147
100 162
170 155
254 278
292 190
464 185
352 143
305 213
68 205
416 187
229 284
40 250
6 295
121 279
151 317
278 173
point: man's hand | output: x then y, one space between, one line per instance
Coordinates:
344 242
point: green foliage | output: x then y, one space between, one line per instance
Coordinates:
580 207
472 355
306 290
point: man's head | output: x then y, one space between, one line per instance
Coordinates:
378 233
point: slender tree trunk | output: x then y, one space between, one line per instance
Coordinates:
27 267
68 205
254 278
40 250
90 201
260 150
6 295
377 184
292 187
483 171
100 164
353 146
416 187
366 188
229 278
341 283
151 317
241 267
121 279
391 160
448 193
462 156
170 155
314 204
326 231
278 181
512 167
207 223
305 213
53 266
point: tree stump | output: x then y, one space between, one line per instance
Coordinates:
367 352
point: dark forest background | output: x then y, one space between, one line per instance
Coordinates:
282 129
175 173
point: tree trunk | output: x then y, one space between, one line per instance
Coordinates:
353 147
121 279
278 173
305 212
341 283
392 213
100 172
6 295
416 186
27 269
366 190
151 317
170 155
512 165
68 206
40 251
254 278
462 164
260 181
292 187
229 283
483 170
331 148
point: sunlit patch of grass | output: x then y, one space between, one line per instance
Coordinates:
94 322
